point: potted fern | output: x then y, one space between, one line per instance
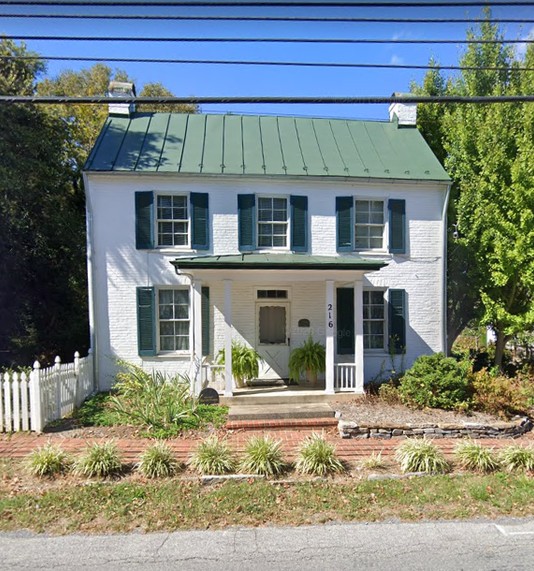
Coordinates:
245 363
310 358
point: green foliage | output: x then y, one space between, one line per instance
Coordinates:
96 411
99 460
389 393
498 394
245 362
436 381
213 456
517 458
264 456
374 462
309 357
48 460
416 455
318 457
158 461
474 456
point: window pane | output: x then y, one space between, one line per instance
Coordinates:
369 224
272 325
166 296
166 328
167 343
377 206
375 297
182 343
164 201
181 296
279 241
174 319
361 217
377 218
375 242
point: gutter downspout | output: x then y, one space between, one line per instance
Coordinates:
444 340
93 339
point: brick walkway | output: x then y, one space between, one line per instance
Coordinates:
351 450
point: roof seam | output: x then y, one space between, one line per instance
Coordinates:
164 141
305 166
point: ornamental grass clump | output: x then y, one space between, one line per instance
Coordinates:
318 457
374 462
474 456
99 460
213 456
422 455
47 461
158 461
263 456
517 458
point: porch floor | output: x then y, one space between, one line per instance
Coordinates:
283 395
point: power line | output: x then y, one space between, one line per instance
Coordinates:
264 63
263 40
348 20
218 100
274 4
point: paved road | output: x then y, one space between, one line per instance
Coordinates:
477 545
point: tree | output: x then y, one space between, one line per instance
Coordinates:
42 244
158 90
489 154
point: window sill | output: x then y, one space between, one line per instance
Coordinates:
169 250
173 355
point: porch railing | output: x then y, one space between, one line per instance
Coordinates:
345 377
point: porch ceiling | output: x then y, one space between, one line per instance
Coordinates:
252 261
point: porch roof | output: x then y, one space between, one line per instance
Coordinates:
251 261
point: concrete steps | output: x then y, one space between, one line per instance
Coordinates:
279 411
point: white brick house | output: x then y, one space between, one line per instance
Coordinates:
208 228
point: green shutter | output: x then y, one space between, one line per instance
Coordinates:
205 321
397 226
299 223
246 207
146 321
199 220
345 224
345 320
397 321
144 220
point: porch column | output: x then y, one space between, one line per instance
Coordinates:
329 341
229 384
358 335
197 335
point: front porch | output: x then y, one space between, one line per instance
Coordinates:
273 303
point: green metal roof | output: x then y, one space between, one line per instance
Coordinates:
262 145
277 262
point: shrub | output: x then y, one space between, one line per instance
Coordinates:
389 393
421 456
263 455
318 457
158 461
474 456
517 458
374 462
213 456
99 460
498 394
436 381
48 460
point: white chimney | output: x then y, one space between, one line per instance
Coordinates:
121 89
404 113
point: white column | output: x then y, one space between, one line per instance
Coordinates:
329 341
229 386
358 335
197 336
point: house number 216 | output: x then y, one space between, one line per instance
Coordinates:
330 321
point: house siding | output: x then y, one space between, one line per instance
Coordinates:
118 267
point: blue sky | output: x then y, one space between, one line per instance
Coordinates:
203 80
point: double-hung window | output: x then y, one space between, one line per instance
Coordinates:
373 319
369 224
174 319
273 222
172 220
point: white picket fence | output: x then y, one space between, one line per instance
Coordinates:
30 402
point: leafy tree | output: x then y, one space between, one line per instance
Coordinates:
158 90
489 154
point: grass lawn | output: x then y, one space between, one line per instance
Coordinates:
70 505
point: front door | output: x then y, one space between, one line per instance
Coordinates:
272 330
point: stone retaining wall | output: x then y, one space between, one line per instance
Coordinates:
349 429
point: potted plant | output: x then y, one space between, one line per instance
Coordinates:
245 363
310 358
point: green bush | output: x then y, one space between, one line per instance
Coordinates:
99 460
517 458
158 461
422 455
436 381
245 363
213 456
474 456
47 461
264 456
318 457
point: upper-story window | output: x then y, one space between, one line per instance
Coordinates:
273 222
369 224
172 220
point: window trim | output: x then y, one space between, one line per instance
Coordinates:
173 247
285 248
385 233
159 350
